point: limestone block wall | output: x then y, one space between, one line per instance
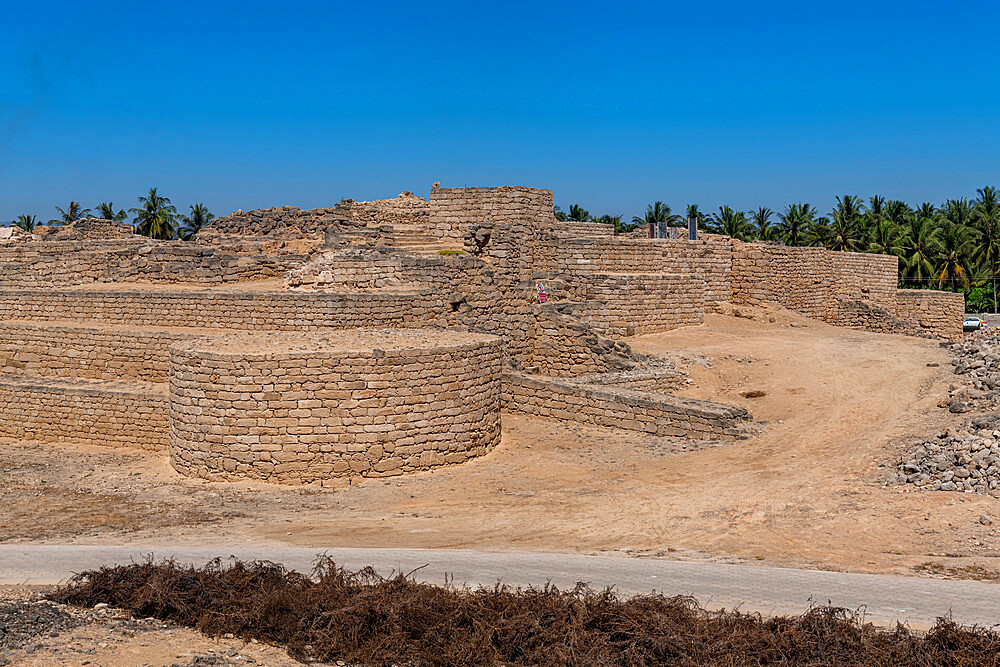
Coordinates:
453 211
709 260
618 407
938 313
846 289
565 346
632 304
69 350
350 268
575 229
282 310
297 408
31 409
137 259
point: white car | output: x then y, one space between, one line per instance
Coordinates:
973 323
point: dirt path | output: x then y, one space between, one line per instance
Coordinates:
807 491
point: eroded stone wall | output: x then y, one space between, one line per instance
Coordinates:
618 407
938 313
138 259
406 210
300 408
847 289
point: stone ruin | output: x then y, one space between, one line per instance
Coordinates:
377 338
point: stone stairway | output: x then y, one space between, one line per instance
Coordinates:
422 242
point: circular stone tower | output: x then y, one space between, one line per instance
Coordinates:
297 408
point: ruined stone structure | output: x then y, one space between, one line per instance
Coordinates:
377 338
309 407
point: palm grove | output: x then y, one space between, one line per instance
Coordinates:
954 246
154 217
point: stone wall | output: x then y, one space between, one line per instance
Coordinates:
33 409
301 408
847 289
453 211
138 259
618 407
631 304
350 269
259 310
938 313
709 260
102 353
405 210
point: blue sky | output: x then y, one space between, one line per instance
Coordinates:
612 105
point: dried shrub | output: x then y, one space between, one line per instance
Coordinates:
361 617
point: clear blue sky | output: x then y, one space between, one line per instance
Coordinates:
611 104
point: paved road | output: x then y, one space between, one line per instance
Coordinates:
770 590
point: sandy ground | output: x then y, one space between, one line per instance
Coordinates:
806 491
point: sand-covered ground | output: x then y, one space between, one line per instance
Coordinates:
808 490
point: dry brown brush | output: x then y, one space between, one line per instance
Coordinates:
361 617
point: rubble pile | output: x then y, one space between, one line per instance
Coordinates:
964 459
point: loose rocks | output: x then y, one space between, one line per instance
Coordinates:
964 460
22 623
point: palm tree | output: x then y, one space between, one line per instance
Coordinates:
926 210
156 217
956 244
846 230
921 246
72 213
898 212
731 223
106 211
796 222
986 213
818 232
578 213
761 219
656 213
876 207
26 222
559 214
886 238
200 216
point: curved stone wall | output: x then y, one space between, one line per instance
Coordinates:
297 408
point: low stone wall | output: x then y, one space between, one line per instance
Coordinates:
352 268
261 310
574 229
138 259
617 407
33 409
300 408
86 352
937 313
623 304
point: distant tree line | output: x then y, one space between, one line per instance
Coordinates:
952 246
154 217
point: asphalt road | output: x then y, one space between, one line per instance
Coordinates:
769 590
